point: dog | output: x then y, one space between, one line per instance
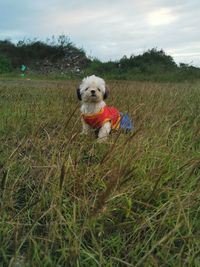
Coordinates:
95 114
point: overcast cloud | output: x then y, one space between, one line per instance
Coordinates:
109 29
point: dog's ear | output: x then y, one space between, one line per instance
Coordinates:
79 93
106 93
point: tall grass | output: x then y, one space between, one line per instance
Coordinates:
66 200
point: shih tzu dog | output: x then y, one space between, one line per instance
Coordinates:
96 114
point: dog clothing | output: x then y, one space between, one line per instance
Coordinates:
125 122
117 119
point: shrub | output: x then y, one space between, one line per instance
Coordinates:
5 64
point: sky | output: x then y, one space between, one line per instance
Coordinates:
109 29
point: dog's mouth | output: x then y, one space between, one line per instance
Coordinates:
93 95
94 98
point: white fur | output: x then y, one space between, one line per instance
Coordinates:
90 107
93 81
93 104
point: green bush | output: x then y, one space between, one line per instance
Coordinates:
5 64
59 58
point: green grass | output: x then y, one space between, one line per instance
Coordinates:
66 200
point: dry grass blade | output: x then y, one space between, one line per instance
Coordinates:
162 240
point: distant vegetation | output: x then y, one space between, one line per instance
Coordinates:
53 56
59 56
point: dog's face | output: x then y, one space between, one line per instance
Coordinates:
92 89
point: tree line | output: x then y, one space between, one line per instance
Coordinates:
61 56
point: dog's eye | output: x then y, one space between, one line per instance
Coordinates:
86 88
99 90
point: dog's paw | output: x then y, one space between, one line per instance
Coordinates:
102 139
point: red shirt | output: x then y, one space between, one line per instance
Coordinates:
97 120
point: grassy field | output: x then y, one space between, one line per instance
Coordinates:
66 200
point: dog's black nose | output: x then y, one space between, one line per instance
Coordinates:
93 93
